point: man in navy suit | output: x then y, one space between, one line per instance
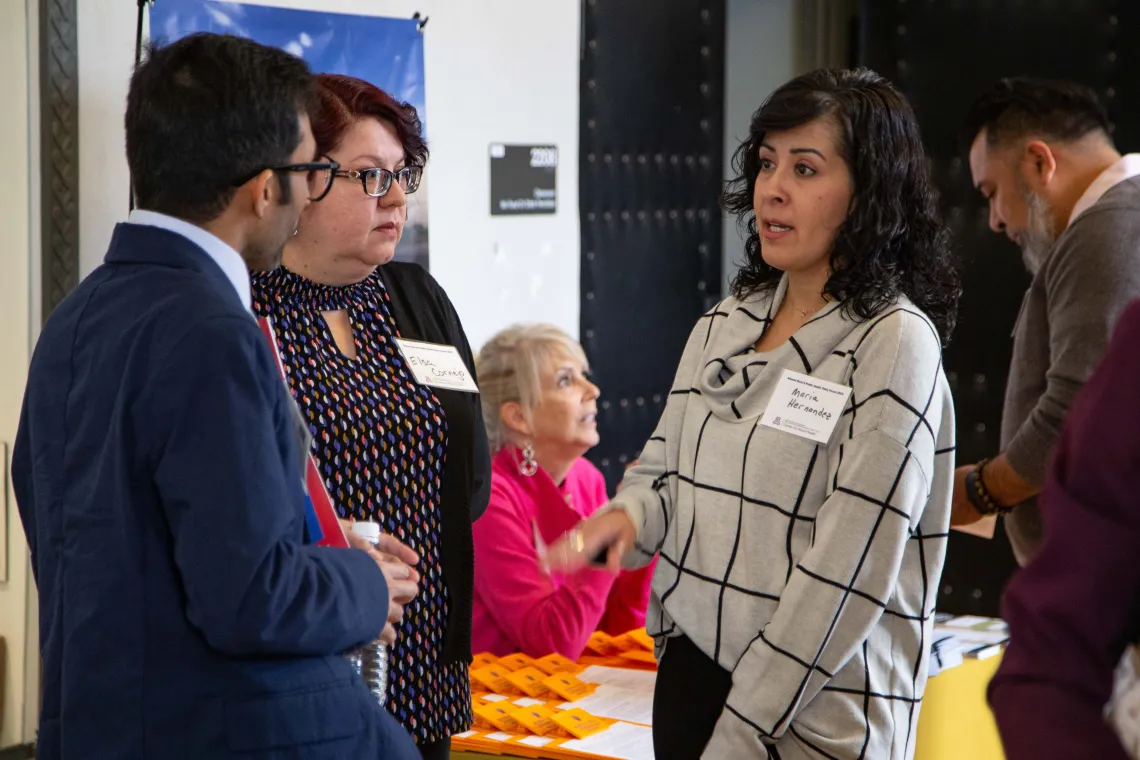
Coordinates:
183 612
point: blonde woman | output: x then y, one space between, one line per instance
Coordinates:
540 409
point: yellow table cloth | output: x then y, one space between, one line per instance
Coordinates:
955 722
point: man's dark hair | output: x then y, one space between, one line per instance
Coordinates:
206 112
893 240
1015 107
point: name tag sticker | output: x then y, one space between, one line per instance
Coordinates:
806 406
437 365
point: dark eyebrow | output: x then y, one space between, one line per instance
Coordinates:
795 151
376 160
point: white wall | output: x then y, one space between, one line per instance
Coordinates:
16 593
761 54
496 71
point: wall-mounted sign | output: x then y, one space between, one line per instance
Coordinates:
522 179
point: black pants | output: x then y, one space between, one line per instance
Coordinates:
687 702
440 750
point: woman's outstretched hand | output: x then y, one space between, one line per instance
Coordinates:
611 534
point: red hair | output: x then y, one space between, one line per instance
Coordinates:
343 100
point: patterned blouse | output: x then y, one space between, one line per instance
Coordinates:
380 439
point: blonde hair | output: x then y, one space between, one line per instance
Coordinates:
509 367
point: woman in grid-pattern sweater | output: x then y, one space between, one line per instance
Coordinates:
794 594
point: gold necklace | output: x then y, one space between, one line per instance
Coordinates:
805 313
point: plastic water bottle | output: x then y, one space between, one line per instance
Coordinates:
370 660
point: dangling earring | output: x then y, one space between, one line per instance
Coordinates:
528 466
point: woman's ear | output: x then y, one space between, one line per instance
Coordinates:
516 419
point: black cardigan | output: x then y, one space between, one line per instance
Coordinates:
424 312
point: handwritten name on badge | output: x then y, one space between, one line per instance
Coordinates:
437 365
806 406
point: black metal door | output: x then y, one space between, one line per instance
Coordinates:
652 104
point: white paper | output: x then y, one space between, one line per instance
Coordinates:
528 702
535 741
973 636
945 653
617 703
499 736
621 741
983 528
437 365
805 406
493 697
638 680
975 639
977 623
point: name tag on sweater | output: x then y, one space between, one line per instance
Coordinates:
806 406
437 365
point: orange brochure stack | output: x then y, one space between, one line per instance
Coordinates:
557 709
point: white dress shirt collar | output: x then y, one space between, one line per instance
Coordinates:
1127 167
229 260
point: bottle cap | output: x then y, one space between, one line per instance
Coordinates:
369 531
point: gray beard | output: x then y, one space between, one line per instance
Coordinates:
1038 238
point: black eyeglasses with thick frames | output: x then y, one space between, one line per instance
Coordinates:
377 182
319 176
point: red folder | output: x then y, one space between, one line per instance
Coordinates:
332 533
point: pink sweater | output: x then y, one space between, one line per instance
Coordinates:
518 606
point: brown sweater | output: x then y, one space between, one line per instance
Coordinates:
1066 318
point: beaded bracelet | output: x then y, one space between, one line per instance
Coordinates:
979 495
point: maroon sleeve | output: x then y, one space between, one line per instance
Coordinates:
1076 606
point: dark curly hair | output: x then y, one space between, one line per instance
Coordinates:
893 240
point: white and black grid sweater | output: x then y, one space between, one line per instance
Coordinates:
810 571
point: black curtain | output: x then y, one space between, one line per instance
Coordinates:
652 105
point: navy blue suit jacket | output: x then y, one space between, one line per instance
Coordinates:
182 614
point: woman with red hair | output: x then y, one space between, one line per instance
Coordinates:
410 457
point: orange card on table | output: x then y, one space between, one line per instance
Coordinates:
591 660
517 661
601 643
556 663
637 638
530 682
494 677
538 719
639 655
579 723
568 686
482 660
481 724
499 716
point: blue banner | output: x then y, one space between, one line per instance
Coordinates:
388 52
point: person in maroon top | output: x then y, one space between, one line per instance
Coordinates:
1075 608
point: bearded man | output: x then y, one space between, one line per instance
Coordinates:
1041 155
